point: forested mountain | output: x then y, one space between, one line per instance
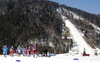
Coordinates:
27 20
24 22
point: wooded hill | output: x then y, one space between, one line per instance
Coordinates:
27 20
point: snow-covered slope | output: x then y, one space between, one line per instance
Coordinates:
77 38
72 14
95 27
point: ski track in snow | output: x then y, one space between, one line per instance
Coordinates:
57 58
78 38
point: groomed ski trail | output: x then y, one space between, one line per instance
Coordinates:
78 38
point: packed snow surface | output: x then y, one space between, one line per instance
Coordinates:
57 58
81 43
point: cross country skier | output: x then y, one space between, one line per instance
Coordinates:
5 49
19 50
34 50
25 51
29 51
45 51
11 51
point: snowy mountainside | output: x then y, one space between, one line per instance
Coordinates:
83 23
79 39
75 16
95 27
72 14
76 36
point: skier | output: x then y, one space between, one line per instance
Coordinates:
29 51
45 52
34 50
11 51
25 51
19 50
5 49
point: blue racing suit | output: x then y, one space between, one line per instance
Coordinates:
5 49
23 51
